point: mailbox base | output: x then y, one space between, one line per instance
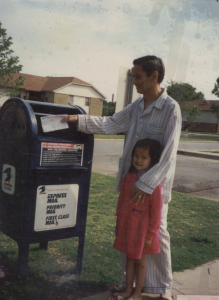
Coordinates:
80 256
43 245
23 254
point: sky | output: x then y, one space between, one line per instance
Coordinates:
92 39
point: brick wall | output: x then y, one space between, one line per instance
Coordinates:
96 107
203 127
61 99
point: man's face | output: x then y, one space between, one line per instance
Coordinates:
143 83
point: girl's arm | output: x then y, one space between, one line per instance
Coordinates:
121 197
119 203
166 166
155 212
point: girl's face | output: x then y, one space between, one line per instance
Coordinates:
141 159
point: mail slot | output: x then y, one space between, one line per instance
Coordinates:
45 177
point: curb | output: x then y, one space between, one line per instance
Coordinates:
198 154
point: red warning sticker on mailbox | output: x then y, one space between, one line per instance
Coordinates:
61 154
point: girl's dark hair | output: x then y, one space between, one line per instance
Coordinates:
154 150
151 63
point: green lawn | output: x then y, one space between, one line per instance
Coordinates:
192 137
210 137
193 224
109 136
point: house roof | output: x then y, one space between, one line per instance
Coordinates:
205 105
32 82
54 83
48 84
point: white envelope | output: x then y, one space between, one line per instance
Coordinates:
53 122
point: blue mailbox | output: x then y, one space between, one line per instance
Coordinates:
45 177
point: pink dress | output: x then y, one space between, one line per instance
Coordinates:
135 223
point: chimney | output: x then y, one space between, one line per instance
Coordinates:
112 97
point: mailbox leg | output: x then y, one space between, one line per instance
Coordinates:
80 255
23 253
43 245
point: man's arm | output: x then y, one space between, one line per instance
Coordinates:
166 166
155 212
118 123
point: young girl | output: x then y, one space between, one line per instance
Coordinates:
137 225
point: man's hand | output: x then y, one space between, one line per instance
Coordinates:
70 118
137 193
147 243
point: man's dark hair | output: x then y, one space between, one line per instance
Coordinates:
154 150
151 63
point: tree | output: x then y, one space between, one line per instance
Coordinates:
183 93
8 66
108 108
215 111
216 88
195 114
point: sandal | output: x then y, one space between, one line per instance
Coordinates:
117 289
117 297
163 298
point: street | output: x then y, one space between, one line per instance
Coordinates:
199 145
193 175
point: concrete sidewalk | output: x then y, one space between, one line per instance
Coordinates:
203 280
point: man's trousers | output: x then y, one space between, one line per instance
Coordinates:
159 273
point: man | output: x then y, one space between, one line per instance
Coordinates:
157 116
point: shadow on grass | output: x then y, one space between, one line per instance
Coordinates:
203 239
44 285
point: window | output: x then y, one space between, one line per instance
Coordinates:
70 99
87 101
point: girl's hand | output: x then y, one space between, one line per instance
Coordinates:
137 193
147 243
70 118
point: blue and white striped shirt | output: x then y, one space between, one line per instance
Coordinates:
161 121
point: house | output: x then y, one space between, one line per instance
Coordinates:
209 122
61 90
